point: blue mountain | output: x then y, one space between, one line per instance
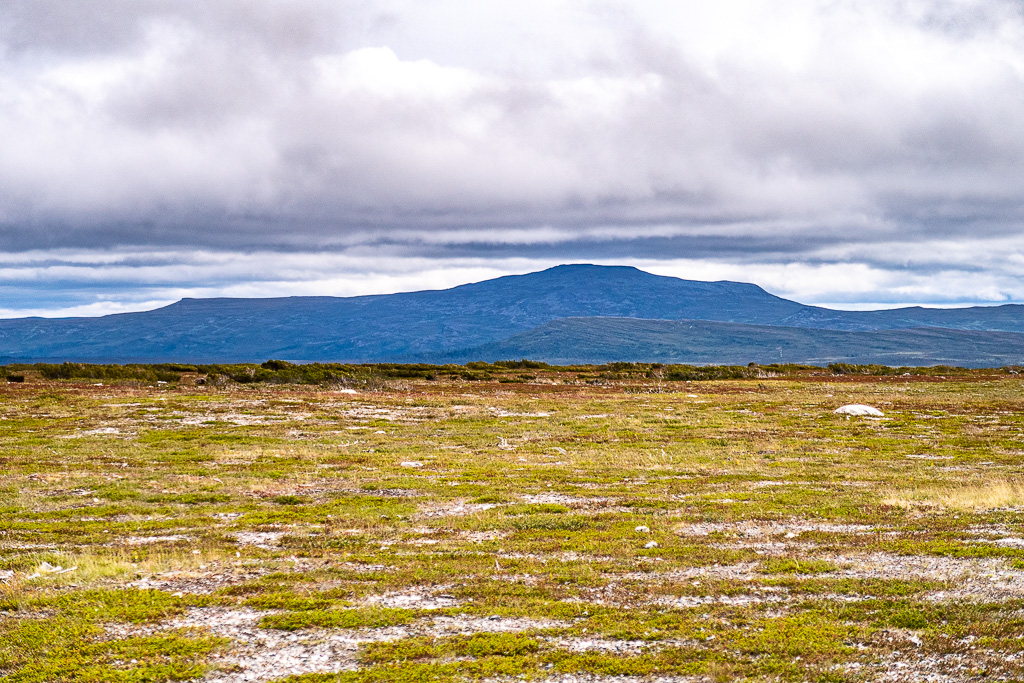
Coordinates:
431 324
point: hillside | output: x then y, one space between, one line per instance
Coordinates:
431 323
602 340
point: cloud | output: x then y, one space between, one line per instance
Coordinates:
813 133
93 282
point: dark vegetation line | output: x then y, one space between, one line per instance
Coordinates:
368 375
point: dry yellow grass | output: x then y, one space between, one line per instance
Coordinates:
87 569
1001 493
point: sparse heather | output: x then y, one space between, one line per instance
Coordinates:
499 522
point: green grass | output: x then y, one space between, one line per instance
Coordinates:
787 565
343 618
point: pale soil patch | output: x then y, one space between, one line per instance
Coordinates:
199 582
355 567
482 536
566 500
906 664
257 655
597 678
887 566
149 540
261 539
617 647
688 601
1009 542
241 420
414 599
452 508
258 413
28 546
982 580
403 414
99 431
762 529
498 412
768 483
382 493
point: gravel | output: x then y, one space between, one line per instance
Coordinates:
258 655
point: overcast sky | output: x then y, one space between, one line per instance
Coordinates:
831 151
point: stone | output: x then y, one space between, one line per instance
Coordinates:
858 409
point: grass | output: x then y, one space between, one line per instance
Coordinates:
994 494
729 528
342 618
786 565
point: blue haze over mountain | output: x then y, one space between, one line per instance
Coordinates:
702 342
510 316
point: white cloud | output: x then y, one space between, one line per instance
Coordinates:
66 282
848 149
92 310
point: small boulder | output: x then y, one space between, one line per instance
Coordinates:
642 530
858 409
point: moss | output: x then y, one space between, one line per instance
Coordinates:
288 601
887 588
61 649
136 606
339 618
789 565
909 618
288 500
477 645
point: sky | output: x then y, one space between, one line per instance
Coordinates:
849 153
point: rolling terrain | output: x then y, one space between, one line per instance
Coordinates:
700 342
494 314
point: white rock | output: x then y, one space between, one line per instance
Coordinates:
651 544
47 568
642 530
347 391
858 409
411 463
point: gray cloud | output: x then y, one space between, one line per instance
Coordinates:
747 133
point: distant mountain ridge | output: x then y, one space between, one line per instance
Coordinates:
442 323
701 342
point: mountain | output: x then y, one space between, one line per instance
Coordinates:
700 342
424 324
1005 318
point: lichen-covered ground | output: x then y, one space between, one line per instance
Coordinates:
559 528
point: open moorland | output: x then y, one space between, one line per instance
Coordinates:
511 522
